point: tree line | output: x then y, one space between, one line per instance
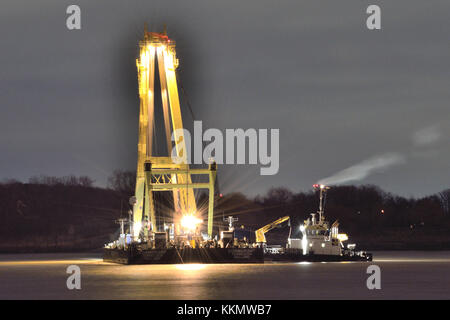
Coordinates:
70 212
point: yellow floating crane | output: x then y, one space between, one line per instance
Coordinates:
172 172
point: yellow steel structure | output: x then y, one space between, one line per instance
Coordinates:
162 173
260 233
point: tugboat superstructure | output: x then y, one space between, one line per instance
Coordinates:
318 236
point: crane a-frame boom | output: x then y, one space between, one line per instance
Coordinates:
163 173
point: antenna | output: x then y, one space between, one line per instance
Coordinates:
230 220
122 225
323 189
145 31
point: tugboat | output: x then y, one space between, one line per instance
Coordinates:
319 241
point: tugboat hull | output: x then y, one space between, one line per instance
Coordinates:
294 255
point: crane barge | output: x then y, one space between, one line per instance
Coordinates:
180 238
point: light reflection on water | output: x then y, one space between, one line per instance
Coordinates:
190 267
405 275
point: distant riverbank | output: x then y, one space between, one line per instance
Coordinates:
381 242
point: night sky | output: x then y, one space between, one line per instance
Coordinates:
340 94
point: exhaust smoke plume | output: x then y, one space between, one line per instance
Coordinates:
426 136
421 138
364 169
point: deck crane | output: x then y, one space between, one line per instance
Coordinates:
260 233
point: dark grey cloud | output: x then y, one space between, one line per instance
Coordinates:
339 94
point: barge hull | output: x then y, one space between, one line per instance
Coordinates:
189 255
216 255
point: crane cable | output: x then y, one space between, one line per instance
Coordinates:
186 98
185 95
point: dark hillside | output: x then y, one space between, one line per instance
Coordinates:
67 214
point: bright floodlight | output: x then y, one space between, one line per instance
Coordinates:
190 222
302 228
342 237
137 227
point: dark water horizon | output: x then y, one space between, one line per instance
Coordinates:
404 275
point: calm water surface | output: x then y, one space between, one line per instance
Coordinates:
404 275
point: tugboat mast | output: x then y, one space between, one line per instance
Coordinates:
323 189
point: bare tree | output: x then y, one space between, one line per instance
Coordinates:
123 182
445 200
71 180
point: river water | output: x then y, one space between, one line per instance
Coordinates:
404 275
